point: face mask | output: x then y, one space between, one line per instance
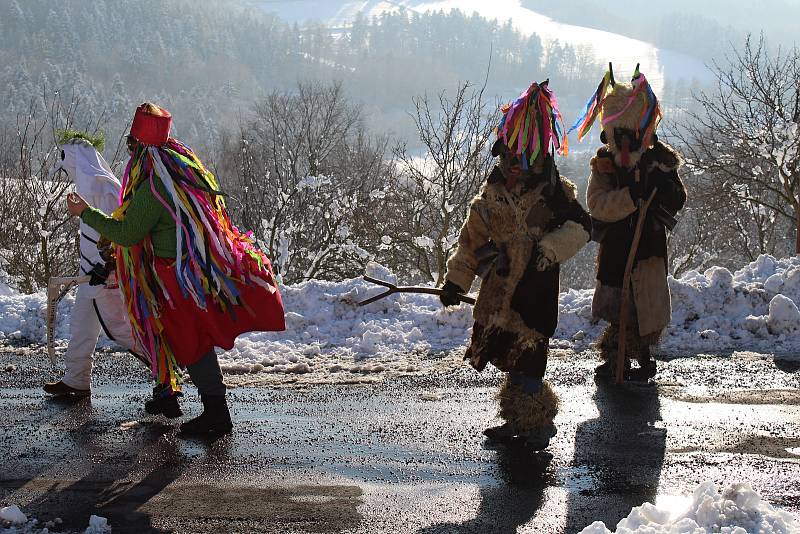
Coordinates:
627 141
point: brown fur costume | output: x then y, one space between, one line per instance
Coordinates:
528 412
614 213
517 311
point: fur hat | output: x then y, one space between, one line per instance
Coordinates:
622 108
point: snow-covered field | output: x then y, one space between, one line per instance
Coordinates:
753 309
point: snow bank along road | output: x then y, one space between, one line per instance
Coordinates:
405 454
328 337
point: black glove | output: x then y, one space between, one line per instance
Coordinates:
98 275
636 190
450 294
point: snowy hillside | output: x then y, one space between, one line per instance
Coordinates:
604 46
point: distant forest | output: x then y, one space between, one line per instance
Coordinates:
209 61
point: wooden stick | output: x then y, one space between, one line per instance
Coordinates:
626 284
392 289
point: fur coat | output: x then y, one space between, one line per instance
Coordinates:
614 215
504 236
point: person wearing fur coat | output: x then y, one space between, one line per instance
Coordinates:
632 166
524 223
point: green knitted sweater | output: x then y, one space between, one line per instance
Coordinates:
145 215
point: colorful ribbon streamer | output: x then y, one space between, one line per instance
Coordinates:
212 255
533 124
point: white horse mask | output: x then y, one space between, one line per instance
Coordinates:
88 169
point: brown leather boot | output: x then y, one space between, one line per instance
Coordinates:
60 389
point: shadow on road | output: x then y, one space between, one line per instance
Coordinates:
505 507
787 366
71 459
623 452
32 425
111 489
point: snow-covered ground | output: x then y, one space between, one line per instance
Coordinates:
753 309
624 51
737 510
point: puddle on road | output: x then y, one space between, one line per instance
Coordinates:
702 395
347 371
772 446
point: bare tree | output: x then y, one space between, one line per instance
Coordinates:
305 176
438 185
38 238
744 146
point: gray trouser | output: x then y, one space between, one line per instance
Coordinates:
206 375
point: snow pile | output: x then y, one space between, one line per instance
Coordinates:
97 525
5 291
324 326
754 308
12 514
737 510
575 327
23 317
13 521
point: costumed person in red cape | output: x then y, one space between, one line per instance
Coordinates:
525 222
632 164
191 279
98 303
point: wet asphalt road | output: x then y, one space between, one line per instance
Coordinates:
404 454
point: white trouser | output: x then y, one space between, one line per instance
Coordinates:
85 327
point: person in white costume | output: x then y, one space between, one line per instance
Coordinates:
98 304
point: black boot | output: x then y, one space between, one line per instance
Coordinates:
608 370
540 439
60 389
163 404
215 419
647 365
645 371
500 434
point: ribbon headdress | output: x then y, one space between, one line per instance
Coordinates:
634 106
532 125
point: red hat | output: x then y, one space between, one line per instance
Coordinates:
151 129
